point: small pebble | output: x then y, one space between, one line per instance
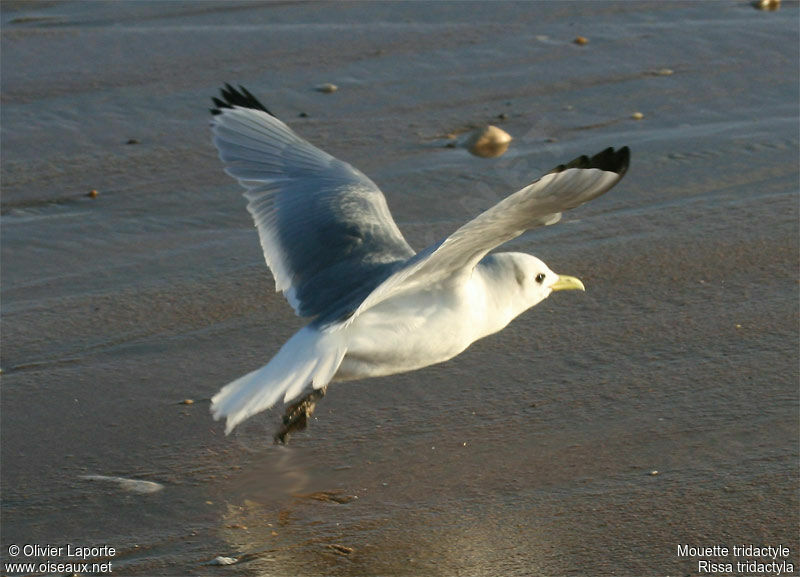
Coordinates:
223 561
303 115
326 88
664 72
488 142
132 141
581 40
502 116
92 193
187 402
637 115
341 549
653 473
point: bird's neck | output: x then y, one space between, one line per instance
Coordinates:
501 294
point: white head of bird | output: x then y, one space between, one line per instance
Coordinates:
526 278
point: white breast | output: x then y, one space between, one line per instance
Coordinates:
413 330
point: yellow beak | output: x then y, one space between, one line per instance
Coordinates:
565 283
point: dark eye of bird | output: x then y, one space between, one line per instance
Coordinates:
540 277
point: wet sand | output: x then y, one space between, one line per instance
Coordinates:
593 436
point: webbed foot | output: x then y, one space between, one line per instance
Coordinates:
297 415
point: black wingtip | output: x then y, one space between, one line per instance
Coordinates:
609 160
236 97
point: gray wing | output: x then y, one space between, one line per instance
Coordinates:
325 228
540 203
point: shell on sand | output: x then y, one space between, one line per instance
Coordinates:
488 142
326 88
222 560
130 485
767 4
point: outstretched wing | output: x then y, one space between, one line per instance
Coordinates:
540 203
325 228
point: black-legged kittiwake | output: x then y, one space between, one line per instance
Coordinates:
376 306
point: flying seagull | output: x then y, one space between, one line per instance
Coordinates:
375 306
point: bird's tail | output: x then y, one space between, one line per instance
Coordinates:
309 357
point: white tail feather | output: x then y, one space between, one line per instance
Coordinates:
309 357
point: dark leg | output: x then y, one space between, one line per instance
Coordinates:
297 415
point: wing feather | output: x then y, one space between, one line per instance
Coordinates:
326 231
565 187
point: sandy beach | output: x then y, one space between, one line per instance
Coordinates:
596 435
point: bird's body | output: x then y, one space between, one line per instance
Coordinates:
409 332
428 325
378 308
